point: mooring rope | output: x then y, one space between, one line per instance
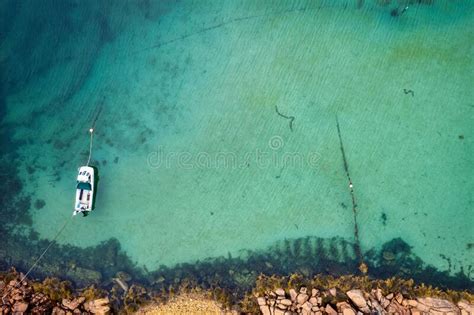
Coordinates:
40 257
98 111
91 131
90 146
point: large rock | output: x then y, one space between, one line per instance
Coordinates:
293 294
357 297
73 304
399 298
466 307
280 292
58 311
313 300
261 301
434 312
20 307
377 307
349 311
433 305
302 298
286 302
282 307
265 310
384 302
330 311
412 303
306 309
279 312
345 308
378 294
99 306
395 308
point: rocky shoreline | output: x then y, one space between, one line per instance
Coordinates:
354 295
355 302
48 297
271 295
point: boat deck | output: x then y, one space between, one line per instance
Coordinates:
85 197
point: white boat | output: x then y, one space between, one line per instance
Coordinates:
85 191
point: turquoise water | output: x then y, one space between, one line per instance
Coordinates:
216 124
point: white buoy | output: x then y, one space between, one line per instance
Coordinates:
91 131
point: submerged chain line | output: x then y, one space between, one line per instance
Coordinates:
216 26
354 204
40 257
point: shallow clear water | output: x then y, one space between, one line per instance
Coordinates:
197 151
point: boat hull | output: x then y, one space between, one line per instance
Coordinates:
85 190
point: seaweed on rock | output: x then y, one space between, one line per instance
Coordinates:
396 259
54 288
